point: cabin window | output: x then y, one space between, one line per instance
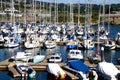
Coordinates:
57 58
72 52
52 57
77 52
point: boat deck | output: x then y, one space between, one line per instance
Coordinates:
13 71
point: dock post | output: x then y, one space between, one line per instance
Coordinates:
102 54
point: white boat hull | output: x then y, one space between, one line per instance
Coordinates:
11 45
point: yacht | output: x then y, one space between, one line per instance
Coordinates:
75 54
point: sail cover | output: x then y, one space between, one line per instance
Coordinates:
79 66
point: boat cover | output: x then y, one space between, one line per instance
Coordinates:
38 58
54 69
79 66
107 69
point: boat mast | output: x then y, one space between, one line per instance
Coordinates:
86 24
40 12
67 13
71 12
103 13
90 12
35 13
11 11
6 12
109 18
33 3
64 12
98 40
1 9
25 16
1 4
79 13
50 13
43 11
55 12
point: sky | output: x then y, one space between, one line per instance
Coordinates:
85 1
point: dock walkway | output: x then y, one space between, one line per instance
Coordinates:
13 71
6 65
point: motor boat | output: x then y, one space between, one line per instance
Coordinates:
108 71
75 54
81 70
55 58
55 71
22 56
38 58
25 70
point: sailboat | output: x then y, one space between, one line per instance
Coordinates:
31 41
72 42
87 39
118 38
13 41
97 57
50 44
80 30
108 44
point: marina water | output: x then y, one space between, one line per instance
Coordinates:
5 53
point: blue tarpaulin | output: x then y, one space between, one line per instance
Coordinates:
79 66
